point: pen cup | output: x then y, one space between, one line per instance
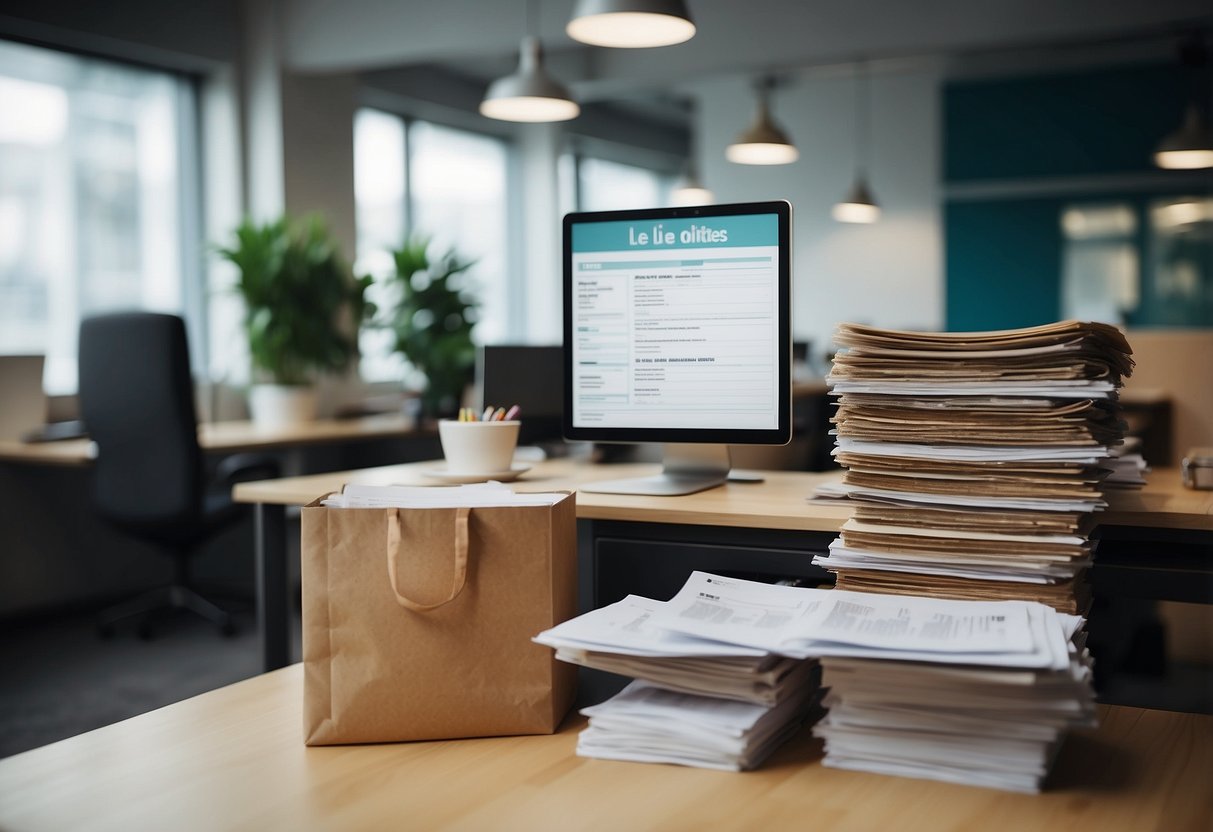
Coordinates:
478 447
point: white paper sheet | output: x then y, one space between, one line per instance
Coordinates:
478 495
626 627
841 489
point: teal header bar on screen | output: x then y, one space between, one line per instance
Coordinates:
669 235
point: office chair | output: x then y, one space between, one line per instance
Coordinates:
137 402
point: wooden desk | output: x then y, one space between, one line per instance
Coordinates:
773 523
779 503
234 759
223 437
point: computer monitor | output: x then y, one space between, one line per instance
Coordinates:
677 330
531 377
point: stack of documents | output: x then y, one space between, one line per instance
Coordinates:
621 638
696 702
646 723
975 692
978 459
983 726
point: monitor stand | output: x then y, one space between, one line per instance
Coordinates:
686 469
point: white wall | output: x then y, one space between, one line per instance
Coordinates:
889 273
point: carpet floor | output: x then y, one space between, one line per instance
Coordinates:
61 678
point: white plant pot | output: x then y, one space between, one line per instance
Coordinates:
281 405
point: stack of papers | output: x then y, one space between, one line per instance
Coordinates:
806 623
993 727
978 459
649 724
621 638
695 701
974 692
1128 466
977 692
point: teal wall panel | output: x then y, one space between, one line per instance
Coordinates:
1003 260
1075 124
1085 131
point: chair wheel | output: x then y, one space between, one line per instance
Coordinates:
228 629
145 631
106 630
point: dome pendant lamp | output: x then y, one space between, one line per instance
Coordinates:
1190 147
690 190
631 24
530 94
859 204
763 143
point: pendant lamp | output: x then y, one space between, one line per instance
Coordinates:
530 94
763 143
690 190
1190 147
859 204
631 24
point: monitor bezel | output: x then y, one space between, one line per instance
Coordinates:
782 433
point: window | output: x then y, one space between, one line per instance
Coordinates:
1180 292
605 185
1145 261
417 177
91 199
1100 269
611 186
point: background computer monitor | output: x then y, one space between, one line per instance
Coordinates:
531 377
677 327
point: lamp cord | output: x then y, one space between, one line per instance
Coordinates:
862 119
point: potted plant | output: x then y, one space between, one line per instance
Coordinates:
303 309
431 320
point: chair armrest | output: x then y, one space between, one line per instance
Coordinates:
245 468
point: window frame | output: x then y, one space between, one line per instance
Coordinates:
515 306
191 255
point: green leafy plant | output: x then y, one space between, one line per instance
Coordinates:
432 321
303 306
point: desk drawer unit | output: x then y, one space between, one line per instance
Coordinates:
618 558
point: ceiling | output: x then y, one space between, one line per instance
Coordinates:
481 36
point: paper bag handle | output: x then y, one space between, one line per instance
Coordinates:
461 559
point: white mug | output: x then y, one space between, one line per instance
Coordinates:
478 447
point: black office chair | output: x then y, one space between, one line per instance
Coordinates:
137 403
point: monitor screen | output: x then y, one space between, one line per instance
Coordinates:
530 377
676 324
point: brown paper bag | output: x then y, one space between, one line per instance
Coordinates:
417 623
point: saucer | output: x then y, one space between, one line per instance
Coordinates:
439 472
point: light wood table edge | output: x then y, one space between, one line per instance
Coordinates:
234 758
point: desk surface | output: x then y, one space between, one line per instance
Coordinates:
778 503
234 759
224 437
